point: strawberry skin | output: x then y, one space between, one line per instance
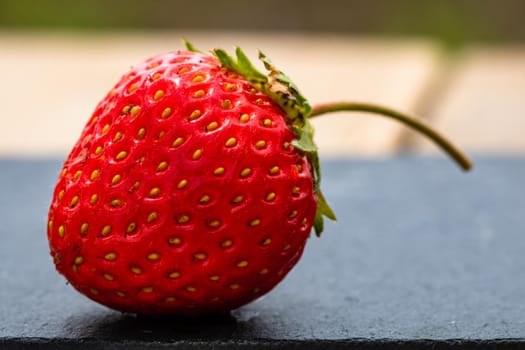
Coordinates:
184 194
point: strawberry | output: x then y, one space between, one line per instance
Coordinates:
193 187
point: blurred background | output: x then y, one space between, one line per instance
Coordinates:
460 64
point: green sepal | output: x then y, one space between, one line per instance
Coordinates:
189 46
295 104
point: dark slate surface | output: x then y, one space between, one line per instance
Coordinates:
423 256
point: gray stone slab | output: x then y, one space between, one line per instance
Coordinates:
423 256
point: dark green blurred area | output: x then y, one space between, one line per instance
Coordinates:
452 22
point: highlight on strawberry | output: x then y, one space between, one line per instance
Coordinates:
194 186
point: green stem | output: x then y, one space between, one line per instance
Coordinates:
461 159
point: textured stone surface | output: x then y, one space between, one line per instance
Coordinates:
422 256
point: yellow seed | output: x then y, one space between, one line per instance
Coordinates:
274 170
133 87
161 135
219 171
197 154
158 95
286 247
169 299
156 76
109 277
259 101
227 243
110 256
244 118
93 291
153 256
152 216
255 222
263 271
256 290
116 179
183 70
243 263
74 201
204 199
98 150
61 231
134 111
286 145
214 223
166 112
267 122
105 128
120 294
94 174
226 104
141 133
266 241
106 230
270 196
147 289
191 289
299 168
214 278
75 268
230 87
93 199
125 109
154 192
232 141
237 199
295 191
212 126
178 141
136 270
292 214
260 144
131 227
195 114
182 184
154 65
121 155
174 241
200 256
174 274
234 286
60 195
77 175
50 225
84 228
245 172
198 78
162 166
183 219
199 93
78 260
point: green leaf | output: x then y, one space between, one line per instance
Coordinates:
323 210
247 67
225 59
189 46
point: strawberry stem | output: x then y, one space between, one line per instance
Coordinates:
461 159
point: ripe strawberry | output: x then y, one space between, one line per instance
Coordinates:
192 189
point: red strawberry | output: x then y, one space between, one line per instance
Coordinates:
192 189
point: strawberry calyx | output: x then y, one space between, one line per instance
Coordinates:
281 89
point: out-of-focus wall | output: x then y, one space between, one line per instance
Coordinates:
453 22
